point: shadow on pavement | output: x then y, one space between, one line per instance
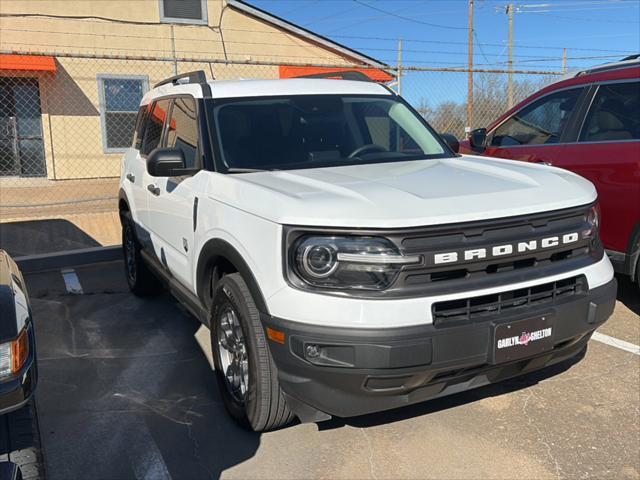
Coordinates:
629 293
125 391
43 236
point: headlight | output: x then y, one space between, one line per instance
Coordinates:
367 263
14 354
593 222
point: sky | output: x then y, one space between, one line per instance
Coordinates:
434 32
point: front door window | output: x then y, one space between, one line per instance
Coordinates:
21 145
540 123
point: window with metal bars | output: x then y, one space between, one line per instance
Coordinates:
183 11
120 98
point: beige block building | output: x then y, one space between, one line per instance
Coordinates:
73 71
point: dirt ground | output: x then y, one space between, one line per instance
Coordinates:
26 199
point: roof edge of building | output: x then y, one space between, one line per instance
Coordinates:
303 32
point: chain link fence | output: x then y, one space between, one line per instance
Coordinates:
63 132
441 96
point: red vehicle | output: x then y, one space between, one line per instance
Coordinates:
589 124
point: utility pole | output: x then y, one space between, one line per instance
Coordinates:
399 67
510 78
470 81
564 60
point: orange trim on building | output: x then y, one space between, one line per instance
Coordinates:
31 63
374 74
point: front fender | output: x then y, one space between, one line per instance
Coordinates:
218 247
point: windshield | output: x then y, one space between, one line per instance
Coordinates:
320 130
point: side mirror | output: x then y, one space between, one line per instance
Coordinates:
478 138
166 162
452 141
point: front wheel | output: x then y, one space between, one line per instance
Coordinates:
245 371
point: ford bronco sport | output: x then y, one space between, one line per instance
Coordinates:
345 259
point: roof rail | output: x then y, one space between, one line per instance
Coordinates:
340 75
631 60
196 76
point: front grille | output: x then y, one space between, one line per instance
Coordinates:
494 270
473 309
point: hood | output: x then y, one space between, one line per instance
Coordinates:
404 194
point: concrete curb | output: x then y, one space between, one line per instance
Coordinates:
68 258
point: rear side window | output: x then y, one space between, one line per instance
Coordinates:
540 123
137 133
153 126
614 114
182 131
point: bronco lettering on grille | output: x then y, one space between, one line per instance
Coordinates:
506 249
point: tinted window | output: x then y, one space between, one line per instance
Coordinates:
153 126
121 100
541 122
137 134
320 130
382 130
182 131
614 114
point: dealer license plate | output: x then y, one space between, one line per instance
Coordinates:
521 339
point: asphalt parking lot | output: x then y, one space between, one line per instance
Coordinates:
126 392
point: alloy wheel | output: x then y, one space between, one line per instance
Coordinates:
233 354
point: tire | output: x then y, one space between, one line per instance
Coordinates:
253 397
20 441
142 282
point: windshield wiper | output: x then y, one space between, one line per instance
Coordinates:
245 170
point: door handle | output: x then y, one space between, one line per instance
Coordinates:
153 189
131 177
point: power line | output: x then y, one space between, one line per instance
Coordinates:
232 42
583 19
361 20
409 19
611 5
311 2
205 59
545 7
484 55
104 21
333 15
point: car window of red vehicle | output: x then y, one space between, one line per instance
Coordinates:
540 122
614 114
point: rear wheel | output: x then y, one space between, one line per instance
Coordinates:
141 280
245 371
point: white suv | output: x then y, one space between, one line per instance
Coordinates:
344 257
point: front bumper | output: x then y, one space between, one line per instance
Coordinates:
360 371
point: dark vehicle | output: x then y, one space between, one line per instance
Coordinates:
589 124
18 370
